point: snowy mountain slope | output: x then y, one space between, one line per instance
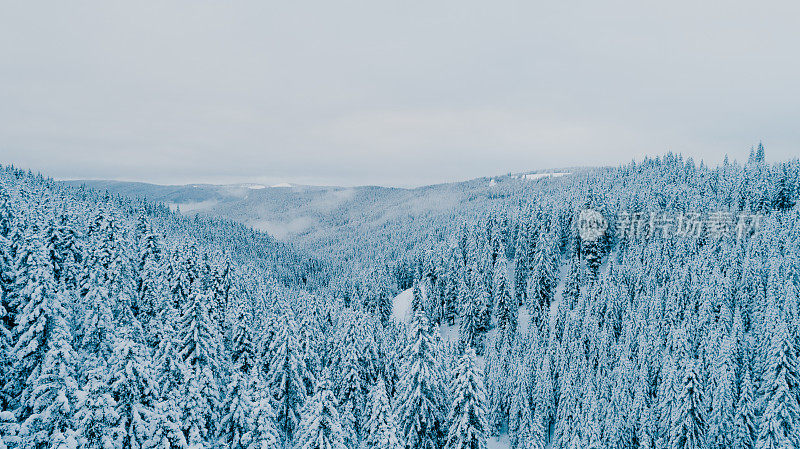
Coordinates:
320 217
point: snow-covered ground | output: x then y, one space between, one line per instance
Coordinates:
500 442
401 307
524 320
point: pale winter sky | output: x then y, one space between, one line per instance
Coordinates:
389 92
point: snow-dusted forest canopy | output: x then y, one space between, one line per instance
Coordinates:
454 316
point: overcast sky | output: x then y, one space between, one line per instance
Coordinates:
394 93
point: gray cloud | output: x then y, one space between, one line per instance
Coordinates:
388 92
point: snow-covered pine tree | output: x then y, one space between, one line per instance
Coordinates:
221 289
151 288
450 295
6 213
135 391
200 354
723 397
320 427
352 403
780 387
572 284
65 251
384 301
97 321
9 430
592 253
7 312
497 240
417 302
182 274
784 192
522 262
165 427
45 363
542 280
97 416
243 348
521 403
467 418
168 369
108 261
532 434
475 314
264 435
505 307
688 430
288 377
498 386
745 421
237 425
470 310
544 394
420 399
381 427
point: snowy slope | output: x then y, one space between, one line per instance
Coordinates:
401 312
401 306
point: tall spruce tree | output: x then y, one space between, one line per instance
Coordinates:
421 399
505 307
381 427
45 363
321 427
200 354
745 421
134 389
780 387
237 424
689 421
97 416
288 377
467 419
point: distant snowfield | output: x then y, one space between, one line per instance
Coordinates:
532 177
281 184
256 187
535 176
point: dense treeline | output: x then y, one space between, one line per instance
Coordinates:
125 325
116 318
655 339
